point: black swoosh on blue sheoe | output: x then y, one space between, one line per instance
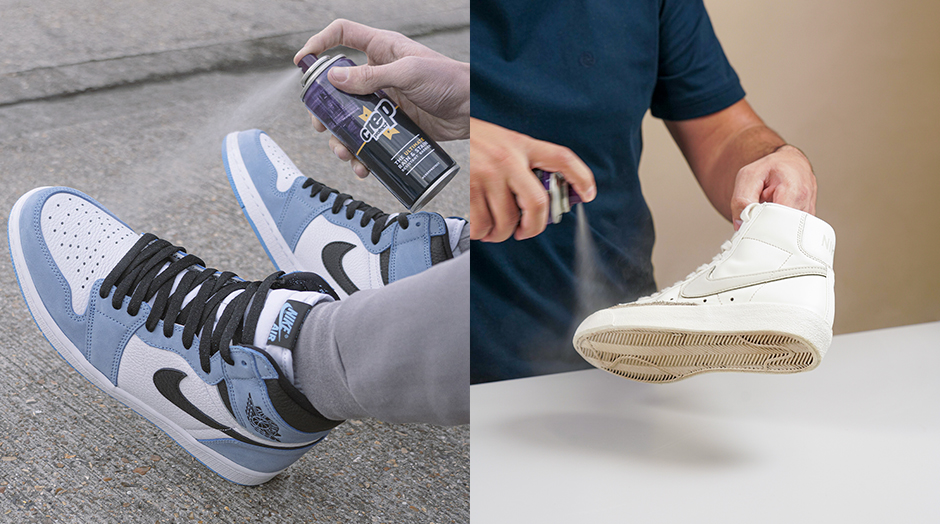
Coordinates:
167 381
333 262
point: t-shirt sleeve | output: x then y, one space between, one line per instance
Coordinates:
694 77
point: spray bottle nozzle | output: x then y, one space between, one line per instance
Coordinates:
306 62
560 194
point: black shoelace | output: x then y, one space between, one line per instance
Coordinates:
136 276
379 217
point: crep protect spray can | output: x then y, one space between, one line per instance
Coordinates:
408 163
560 194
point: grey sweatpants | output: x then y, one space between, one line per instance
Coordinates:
398 354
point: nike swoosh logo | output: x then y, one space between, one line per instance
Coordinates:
333 262
704 285
167 381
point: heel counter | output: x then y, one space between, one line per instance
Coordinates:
818 240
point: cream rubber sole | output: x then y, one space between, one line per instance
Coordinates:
661 343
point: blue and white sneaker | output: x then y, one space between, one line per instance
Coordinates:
307 226
152 327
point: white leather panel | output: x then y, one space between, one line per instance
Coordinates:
361 266
752 256
809 292
287 172
819 240
86 242
135 375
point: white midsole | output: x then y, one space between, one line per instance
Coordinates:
218 463
726 319
257 212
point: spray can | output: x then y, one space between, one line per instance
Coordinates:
561 195
408 163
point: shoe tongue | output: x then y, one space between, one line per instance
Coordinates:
281 318
455 229
279 324
748 211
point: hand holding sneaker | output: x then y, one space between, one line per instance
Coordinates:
782 177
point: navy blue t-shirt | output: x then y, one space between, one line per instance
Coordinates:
580 74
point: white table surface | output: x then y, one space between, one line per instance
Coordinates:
855 440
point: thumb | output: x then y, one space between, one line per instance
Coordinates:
364 79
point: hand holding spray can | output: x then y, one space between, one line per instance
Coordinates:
561 195
408 163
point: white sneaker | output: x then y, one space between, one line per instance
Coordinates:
765 304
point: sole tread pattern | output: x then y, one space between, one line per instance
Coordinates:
659 357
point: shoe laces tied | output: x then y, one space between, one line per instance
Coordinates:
147 273
377 216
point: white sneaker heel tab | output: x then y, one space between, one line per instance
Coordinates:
818 240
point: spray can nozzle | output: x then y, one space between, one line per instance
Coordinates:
306 62
560 194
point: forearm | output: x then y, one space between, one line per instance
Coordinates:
740 149
738 160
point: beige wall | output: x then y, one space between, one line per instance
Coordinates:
856 85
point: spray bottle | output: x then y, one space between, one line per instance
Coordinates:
408 162
561 195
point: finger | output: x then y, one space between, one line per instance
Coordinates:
793 192
554 158
533 201
346 155
359 168
317 124
481 223
366 79
505 213
340 32
748 189
340 150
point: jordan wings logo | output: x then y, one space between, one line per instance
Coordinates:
167 381
333 254
286 327
261 422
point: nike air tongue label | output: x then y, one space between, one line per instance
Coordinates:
286 327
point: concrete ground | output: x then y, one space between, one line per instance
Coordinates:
129 103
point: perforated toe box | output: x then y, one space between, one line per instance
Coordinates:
287 172
85 242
